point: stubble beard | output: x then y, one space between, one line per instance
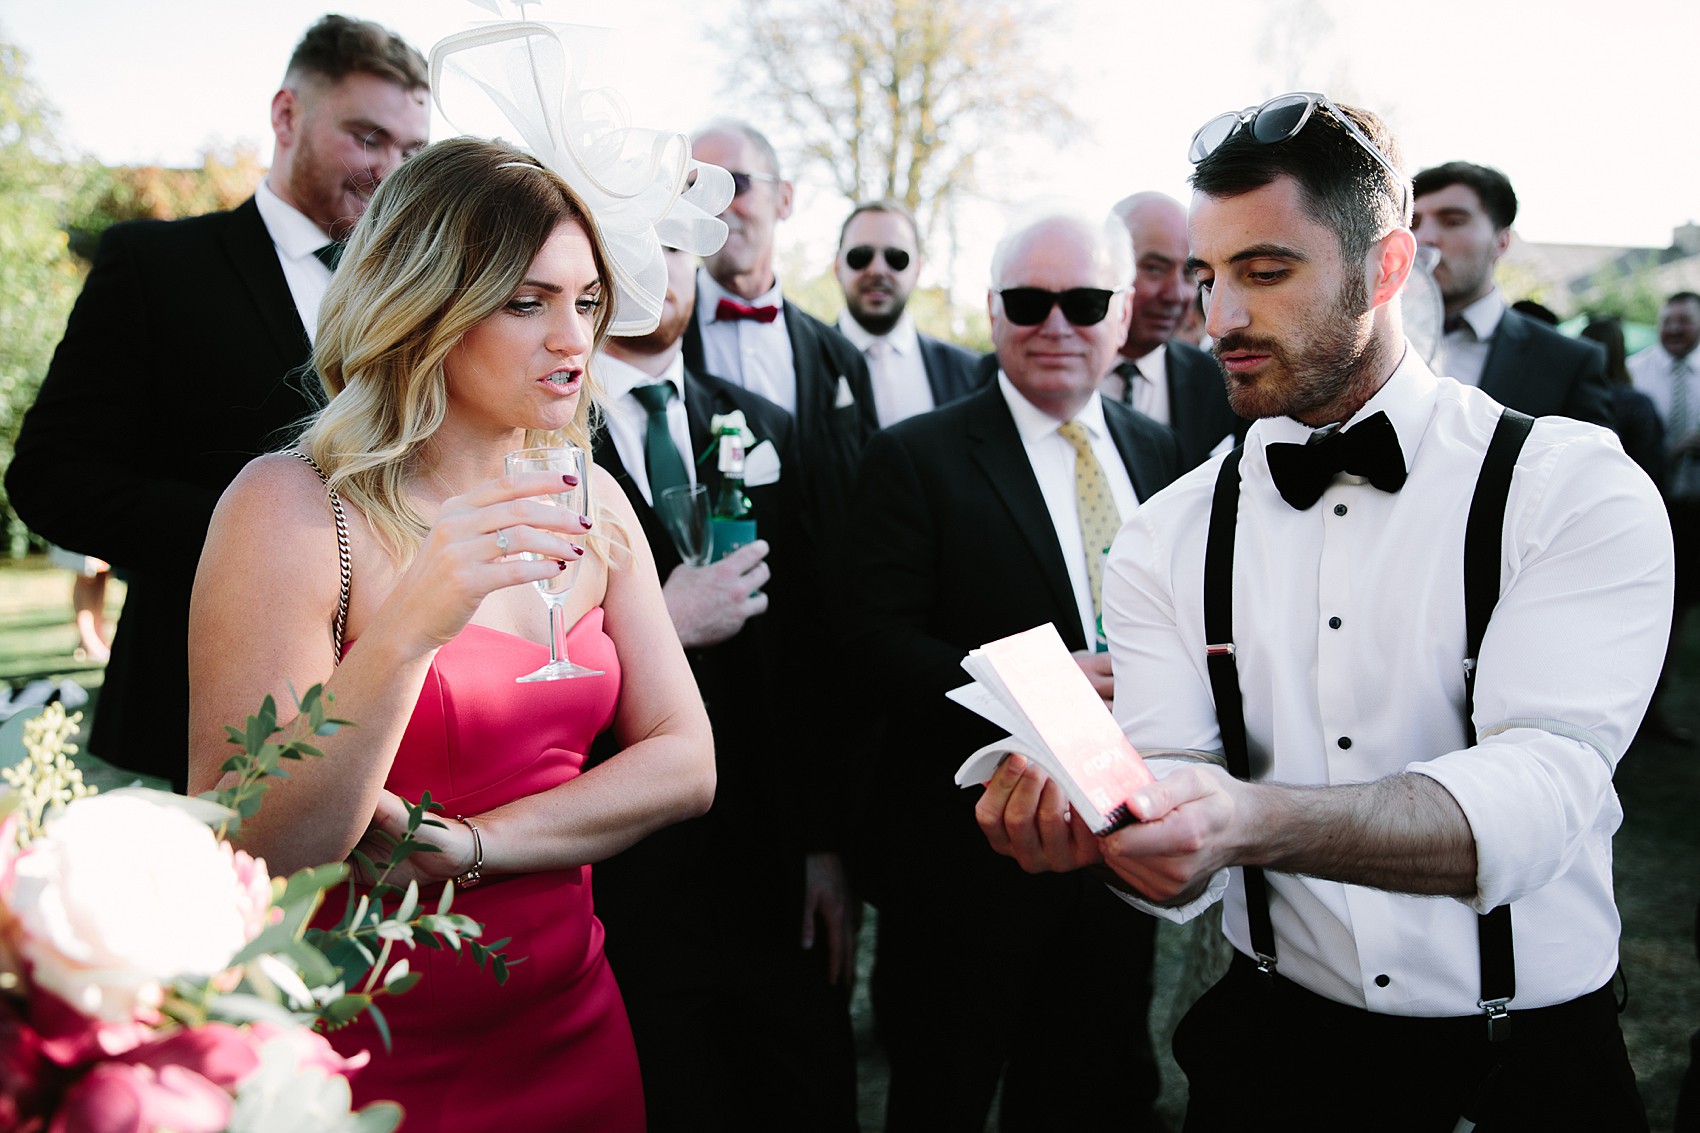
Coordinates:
1341 358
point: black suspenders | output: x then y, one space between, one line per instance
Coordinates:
1483 541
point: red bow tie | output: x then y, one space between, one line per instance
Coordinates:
731 309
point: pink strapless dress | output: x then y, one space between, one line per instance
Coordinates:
551 1048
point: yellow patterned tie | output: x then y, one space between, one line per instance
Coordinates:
1099 519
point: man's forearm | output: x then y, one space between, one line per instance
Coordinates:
1404 834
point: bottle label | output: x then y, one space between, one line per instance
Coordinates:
727 535
732 454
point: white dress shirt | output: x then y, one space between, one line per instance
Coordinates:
899 378
1652 371
628 420
1463 353
745 352
295 239
1150 393
1052 459
1566 670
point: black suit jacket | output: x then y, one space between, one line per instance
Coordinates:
1534 369
1198 403
183 359
955 548
734 874
830 433
952 372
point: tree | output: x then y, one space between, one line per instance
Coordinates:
225 178
38 275
905 99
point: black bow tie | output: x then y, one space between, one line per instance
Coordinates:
1369 449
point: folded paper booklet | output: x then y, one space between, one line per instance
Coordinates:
1028 685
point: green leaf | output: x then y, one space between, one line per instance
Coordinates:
379 1117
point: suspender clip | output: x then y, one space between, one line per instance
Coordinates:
1469 668
1498 1018
1226 649
1266 965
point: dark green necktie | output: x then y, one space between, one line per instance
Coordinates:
330 255
666 468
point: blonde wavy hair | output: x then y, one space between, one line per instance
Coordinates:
444 243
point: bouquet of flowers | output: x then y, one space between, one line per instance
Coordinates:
155 978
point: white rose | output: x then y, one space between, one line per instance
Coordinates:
121 895
299 1086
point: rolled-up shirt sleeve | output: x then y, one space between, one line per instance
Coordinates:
1566 669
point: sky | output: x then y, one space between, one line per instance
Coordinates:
1588 107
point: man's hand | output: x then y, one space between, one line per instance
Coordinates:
826 904
1026 816
1169 855
710 604
1096 666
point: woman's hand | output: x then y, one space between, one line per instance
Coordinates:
456 854
475 548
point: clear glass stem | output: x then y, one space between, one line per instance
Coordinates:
557 638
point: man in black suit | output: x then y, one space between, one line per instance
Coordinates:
975 521
739 1021
879 260
186 355
1464 212
1166 379
747 332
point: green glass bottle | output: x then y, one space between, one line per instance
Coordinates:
732 520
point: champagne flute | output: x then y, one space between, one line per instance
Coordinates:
684 511
567 460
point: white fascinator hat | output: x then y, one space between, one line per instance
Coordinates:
527 82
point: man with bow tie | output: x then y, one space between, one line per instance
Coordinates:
747 332
187 356
1412 835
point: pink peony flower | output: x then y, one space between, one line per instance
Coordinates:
183 1082
121 895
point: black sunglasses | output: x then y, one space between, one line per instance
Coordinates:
862 255
1081 306
744 182
1280 118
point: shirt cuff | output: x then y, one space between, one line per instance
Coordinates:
1180 914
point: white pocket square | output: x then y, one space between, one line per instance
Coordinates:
843 397
761 465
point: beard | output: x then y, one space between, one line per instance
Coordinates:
675 317
1332 359
878 323
325 192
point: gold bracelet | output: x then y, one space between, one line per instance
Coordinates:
476 874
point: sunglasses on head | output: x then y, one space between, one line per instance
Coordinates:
1280 118
862 255
1081 306
744 182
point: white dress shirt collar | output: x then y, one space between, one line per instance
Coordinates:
617 377
1407 397
902 338
1033 423
296 237
1484 314
710 293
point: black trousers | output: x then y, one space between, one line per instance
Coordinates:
1273 1055
1054 1005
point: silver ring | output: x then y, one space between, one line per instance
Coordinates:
502 540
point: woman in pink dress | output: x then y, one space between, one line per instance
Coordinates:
460 326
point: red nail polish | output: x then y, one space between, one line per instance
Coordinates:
569 480
584 521
577 550
562 563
